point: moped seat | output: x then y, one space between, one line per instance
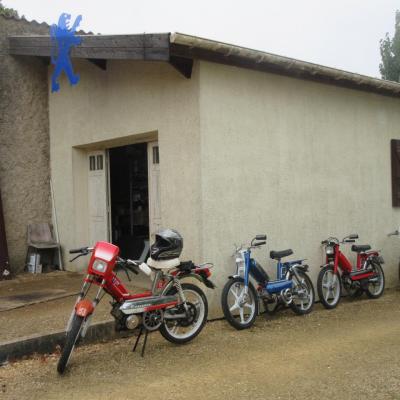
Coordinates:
163 264
359 248
277 255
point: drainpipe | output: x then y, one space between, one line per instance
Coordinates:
4 263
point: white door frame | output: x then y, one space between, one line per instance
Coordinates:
98 196
153 162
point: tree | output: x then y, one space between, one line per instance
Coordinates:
390 54
8 12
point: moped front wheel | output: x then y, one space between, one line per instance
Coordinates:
329 287
70 341
240 309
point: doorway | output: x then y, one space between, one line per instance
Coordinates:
129 198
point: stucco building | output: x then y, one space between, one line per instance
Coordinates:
221 143
24 140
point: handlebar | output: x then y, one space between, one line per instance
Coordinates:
83 251
128 264
347 239
330 240
80 250
395 233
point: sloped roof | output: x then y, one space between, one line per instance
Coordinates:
181 49
192 46
23 19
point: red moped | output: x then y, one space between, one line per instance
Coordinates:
178 310
367 276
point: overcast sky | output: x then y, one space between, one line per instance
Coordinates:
339 33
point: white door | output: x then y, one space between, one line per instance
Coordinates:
154 187
98 196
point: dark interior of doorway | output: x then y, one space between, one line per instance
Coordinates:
129 198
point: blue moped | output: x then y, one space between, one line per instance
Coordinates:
240 299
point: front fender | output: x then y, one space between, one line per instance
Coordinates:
84 308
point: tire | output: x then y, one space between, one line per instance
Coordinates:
376 294
167 331
238 324
323 274
70 341
300 309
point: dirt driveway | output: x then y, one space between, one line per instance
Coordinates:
352 352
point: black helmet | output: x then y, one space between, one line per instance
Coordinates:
168 245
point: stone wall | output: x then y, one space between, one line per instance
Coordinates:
24 140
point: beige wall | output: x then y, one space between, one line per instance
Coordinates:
119 106
297 160
241 153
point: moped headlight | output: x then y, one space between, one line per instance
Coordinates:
329 250
99 265
240 265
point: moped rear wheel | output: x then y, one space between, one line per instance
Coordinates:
375 289
329 287
183 331
303 294
240 310
70 341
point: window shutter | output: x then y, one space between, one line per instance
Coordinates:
395 157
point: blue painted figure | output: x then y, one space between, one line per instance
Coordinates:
63 38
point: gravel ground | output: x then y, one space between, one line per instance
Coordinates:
352 352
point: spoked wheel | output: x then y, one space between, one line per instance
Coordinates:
240 309
70 341
184 330
329 287
376 287
302 294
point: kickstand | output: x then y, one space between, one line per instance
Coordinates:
146 333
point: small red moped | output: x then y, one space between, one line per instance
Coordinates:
178 310
367 276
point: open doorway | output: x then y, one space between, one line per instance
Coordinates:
129 184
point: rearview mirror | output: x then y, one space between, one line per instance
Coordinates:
353 236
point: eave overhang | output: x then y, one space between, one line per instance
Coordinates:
180 50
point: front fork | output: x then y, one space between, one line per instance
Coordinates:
87 311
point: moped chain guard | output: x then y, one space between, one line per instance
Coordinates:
278 286
361 274
150 303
